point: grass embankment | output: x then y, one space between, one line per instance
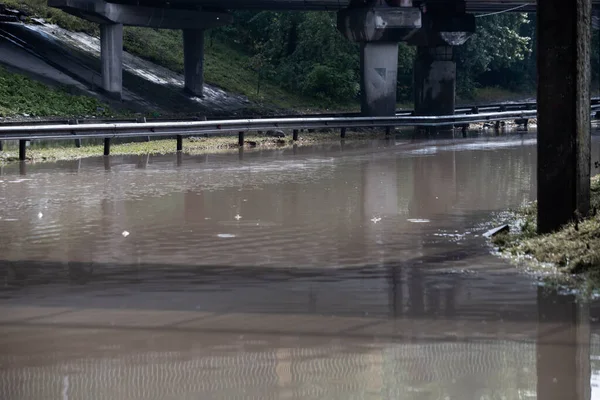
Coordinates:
487 95
225 65
22 96
194 146
573 250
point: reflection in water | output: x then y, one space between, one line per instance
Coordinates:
563 348
311 352
319 274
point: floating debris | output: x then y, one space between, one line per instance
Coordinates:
375 220
238 217
125 234
20 180
418 221
497 230
40 215
226 235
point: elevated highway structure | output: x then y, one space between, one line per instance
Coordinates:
435 26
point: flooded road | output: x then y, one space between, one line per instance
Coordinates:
343 271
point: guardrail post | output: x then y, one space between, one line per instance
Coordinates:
388 131
343 133
1 146
475 110
77 141
179 143
107 146
295 135
142 120
241 139
522 121
22 149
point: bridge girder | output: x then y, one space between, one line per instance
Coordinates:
473 6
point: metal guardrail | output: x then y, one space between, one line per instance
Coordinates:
188 128
24 133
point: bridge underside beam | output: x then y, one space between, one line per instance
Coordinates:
564 42
103 12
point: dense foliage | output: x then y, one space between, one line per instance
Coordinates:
304 52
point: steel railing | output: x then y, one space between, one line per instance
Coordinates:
180 129
187 128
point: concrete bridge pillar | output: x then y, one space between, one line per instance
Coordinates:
378 78
435 81
435 69
193 61
378 29
111 59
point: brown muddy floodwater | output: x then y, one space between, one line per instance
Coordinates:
353 271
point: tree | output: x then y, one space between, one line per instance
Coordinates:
497 46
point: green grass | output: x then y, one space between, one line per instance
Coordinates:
21 95
39 8
496 95
575 249
225 66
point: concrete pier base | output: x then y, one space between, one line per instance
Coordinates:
379 74
563 111
193 61
435 81
111 58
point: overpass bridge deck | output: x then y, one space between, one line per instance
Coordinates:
474 6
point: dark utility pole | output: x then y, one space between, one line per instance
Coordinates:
563 55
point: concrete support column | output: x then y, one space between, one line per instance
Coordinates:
111 58
564 41
378 77
434 81
193 60
378 30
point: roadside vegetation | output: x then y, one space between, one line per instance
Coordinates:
22 96
65 150
575 249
